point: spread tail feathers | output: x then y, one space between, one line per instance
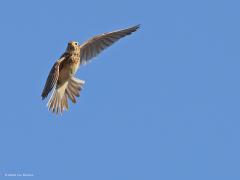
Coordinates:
59 98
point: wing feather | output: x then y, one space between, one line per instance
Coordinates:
52 78
97 44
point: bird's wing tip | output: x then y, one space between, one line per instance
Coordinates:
43 97
137 26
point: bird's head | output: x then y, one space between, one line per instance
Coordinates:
72 45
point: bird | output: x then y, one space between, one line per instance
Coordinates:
61 79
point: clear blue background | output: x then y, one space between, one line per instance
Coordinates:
163 103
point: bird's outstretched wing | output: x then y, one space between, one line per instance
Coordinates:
97 44
52 78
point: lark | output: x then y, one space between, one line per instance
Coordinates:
61 78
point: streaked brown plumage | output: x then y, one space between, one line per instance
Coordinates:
61 76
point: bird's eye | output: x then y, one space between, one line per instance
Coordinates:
76 43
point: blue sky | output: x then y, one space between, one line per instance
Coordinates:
162 103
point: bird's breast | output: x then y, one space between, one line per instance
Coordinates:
68 70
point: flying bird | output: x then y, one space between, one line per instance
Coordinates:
61 77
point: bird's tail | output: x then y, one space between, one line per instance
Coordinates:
59 98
